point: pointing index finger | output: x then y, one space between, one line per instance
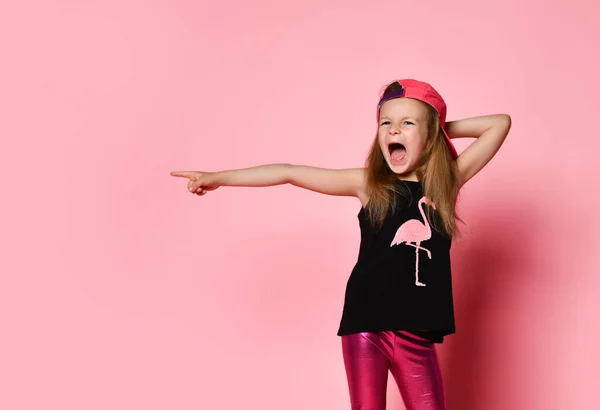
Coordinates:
184 174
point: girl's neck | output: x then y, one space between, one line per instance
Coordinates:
409 176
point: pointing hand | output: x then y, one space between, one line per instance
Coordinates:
199 183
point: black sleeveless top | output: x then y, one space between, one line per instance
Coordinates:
402 279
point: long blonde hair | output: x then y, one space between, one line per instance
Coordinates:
436 170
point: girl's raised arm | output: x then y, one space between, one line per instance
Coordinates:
490 131
343 182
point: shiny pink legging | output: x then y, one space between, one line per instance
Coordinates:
411 359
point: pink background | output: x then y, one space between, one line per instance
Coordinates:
120 290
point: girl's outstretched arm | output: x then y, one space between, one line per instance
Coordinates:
343 182
490 131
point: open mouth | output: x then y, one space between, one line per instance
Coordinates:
397 151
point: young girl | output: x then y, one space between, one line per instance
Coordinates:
398 300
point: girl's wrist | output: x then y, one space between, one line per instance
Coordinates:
220 177
452 128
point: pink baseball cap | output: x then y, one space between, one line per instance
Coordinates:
423 92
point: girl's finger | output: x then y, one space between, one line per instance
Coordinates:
183 174
193 186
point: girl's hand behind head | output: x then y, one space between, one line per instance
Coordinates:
199 183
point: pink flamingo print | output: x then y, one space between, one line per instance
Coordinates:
413 232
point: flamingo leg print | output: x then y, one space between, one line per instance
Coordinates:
412 233
417 245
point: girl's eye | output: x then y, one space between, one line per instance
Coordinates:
405 123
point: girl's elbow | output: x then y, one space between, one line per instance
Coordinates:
504 122
287 173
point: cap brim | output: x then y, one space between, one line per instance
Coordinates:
450 145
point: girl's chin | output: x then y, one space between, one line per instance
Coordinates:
399 169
